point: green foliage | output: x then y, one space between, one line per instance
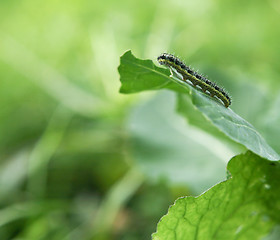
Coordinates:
165 147
246 206
78 160
224 119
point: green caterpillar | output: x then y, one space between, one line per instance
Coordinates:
205 85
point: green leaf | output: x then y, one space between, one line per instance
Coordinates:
246 206
163 145
139 75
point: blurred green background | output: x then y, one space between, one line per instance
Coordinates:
78 160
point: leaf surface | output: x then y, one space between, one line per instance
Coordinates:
246 206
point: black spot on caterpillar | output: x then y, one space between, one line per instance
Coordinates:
205 85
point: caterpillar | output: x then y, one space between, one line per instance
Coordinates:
176 65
